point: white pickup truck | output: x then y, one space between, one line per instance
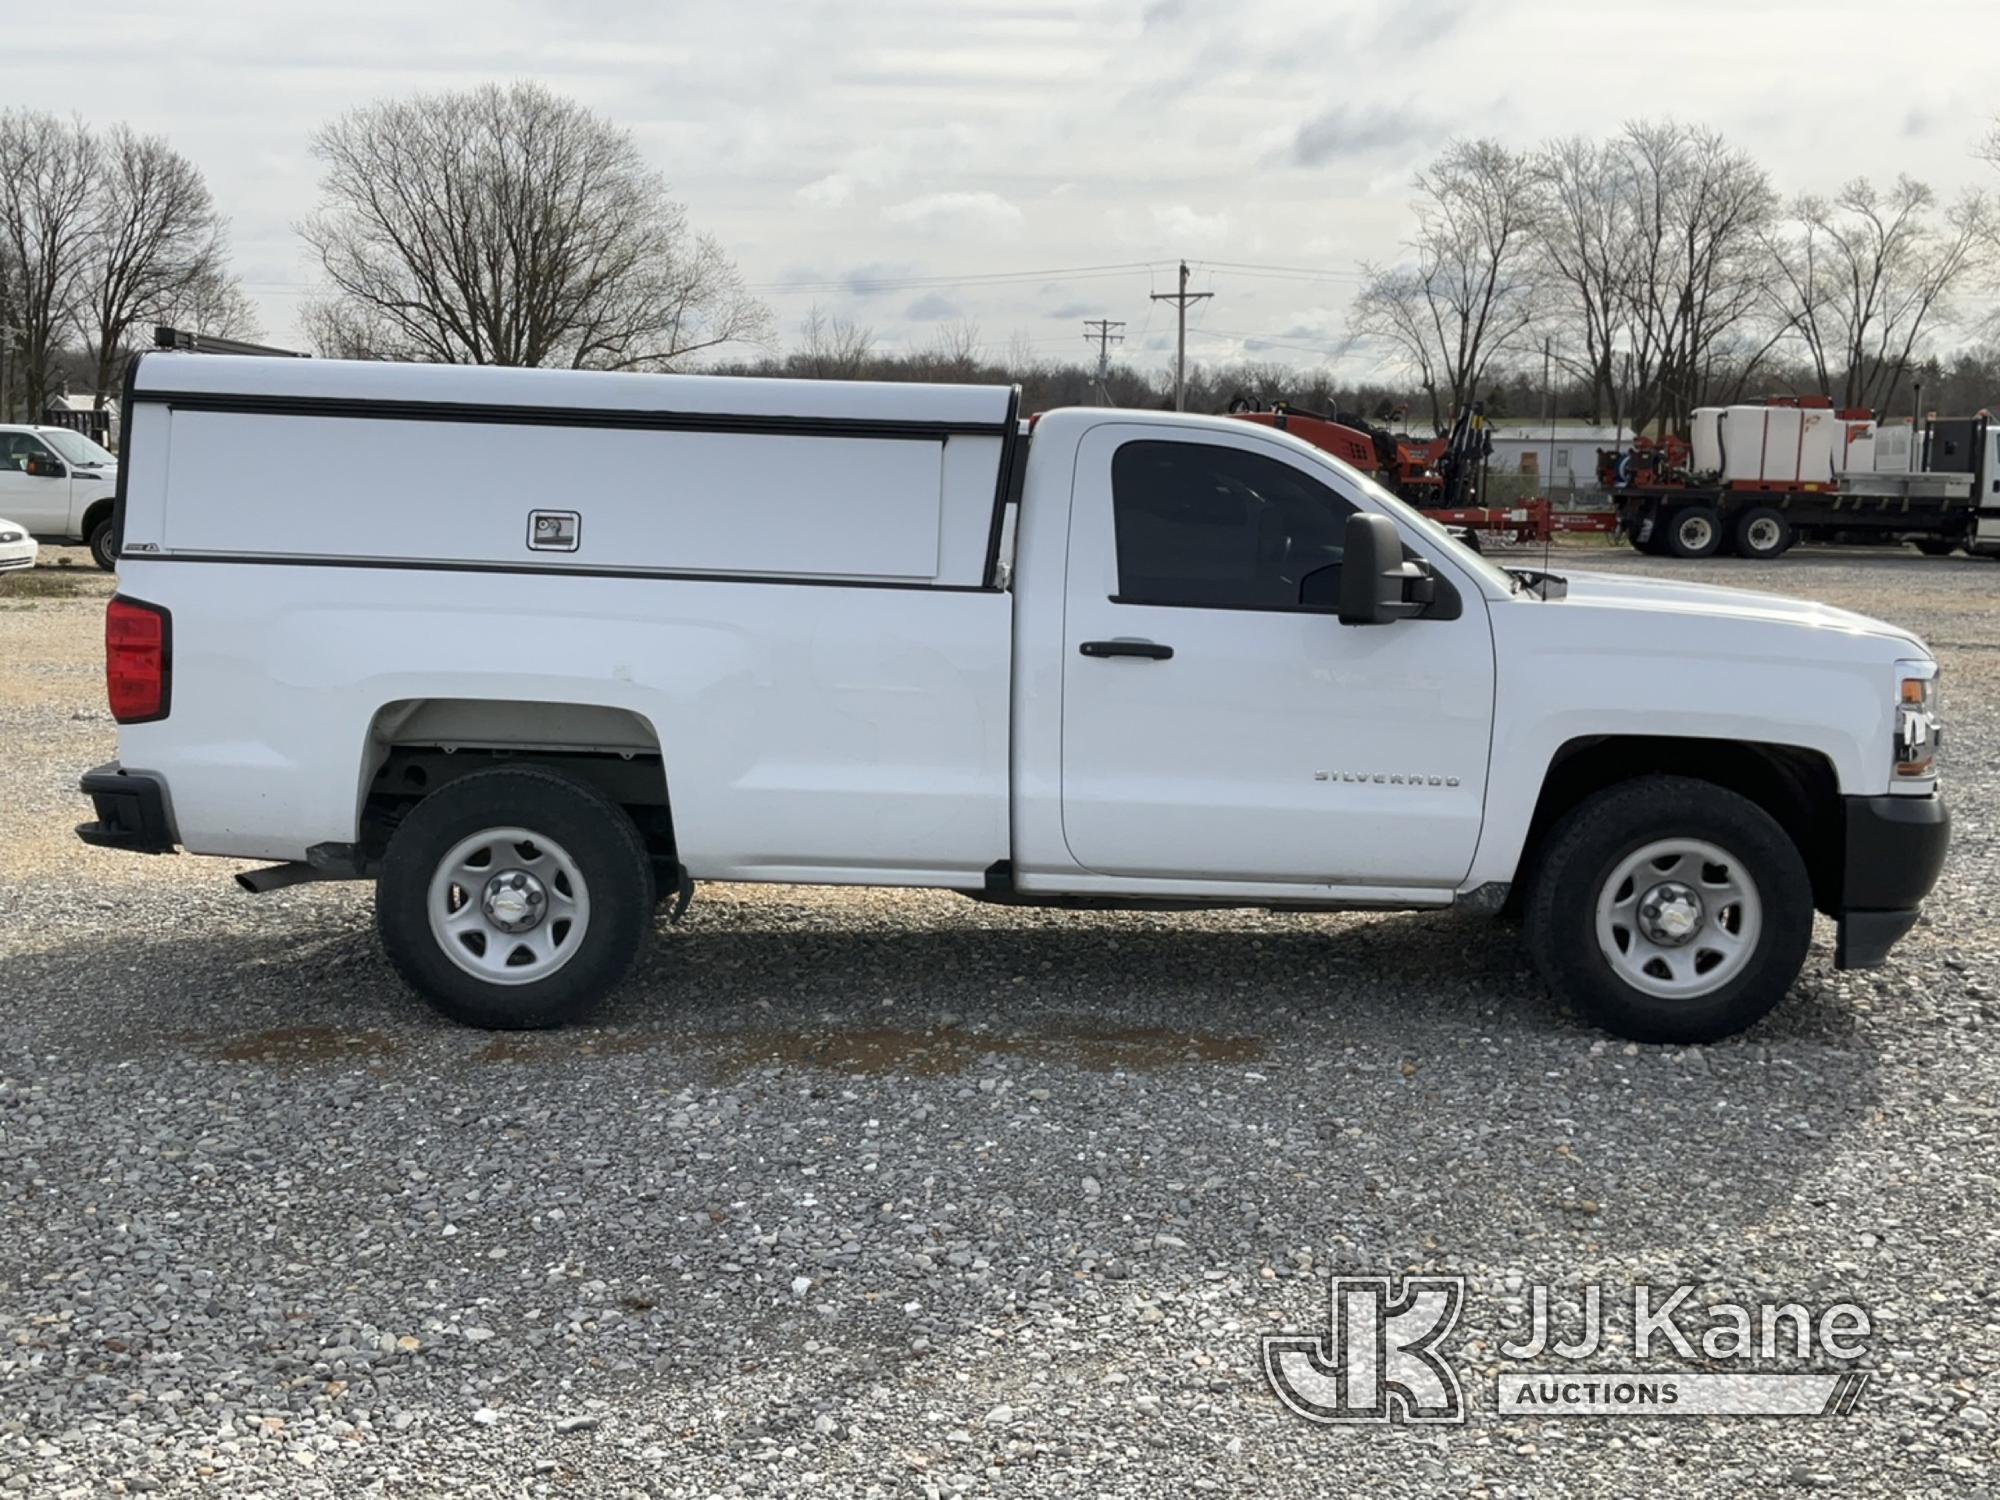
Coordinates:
538 650
59 486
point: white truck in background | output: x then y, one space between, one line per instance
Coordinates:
1758 477
59 486
536 650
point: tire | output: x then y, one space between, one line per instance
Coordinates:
1762 533
1693 531
585 905
1594 878
1933 546
101 540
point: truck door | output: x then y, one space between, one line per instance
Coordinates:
34 484
1215 727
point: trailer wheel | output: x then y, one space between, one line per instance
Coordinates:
1935 546
1669 910
1762 533
1693 531
515 898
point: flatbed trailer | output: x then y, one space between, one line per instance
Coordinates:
1950 503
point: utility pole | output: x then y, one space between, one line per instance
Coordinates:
1549 416
1101 330
1181 299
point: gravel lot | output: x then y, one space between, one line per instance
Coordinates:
861 1192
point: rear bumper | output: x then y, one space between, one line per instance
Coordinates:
1894 850
132 811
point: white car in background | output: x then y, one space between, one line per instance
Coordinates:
17 548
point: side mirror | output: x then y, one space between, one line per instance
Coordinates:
41 466
1378 584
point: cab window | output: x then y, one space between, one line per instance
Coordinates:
1212 527
16 448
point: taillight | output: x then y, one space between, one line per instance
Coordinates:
138 660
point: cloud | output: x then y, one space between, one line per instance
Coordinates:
827 193
1185 227
1405 25
867 280
830 191
1162 13
931 308
957 215
1346 131
1073 310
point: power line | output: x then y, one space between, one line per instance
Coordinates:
1181 299
970 278
1282 273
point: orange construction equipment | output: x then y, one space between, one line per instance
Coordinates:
1429 473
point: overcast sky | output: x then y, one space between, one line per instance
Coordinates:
1024 164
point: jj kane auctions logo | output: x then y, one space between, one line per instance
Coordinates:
1380 1358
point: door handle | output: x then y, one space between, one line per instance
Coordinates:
1146 650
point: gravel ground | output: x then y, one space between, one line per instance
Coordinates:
866 1192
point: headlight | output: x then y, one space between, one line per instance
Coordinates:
10 536
1918 728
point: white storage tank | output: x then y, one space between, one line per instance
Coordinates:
1705 433
1783 432
1820 432
1743 442
1854 443
1892 449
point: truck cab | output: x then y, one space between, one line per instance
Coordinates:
60 486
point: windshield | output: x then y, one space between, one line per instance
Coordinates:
75 447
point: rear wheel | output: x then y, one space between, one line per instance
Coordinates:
103 545
1693 531
514 899
1762 532
1669 910
1935 546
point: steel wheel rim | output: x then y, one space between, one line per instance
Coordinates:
1638 926
1696 532
501 929
1762 534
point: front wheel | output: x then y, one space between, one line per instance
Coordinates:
515 898
103 545
1670 910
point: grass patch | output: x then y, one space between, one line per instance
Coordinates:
42 583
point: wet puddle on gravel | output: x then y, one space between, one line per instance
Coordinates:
876 1050
294 1045
872 1050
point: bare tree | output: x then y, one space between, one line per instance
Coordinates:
158 248
1468 295
1589 248
830 348
213 304
954 350
1864 279
512 226
1700 212
48 220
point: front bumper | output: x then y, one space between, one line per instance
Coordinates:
1891 858
132 811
